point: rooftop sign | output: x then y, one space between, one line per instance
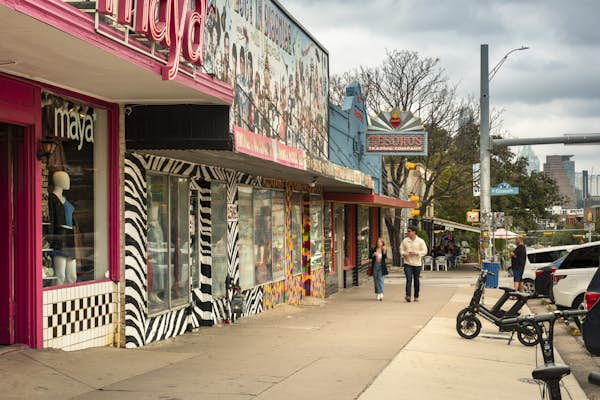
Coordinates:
171 23
396 133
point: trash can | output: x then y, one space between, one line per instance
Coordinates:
491 281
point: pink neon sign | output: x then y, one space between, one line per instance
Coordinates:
172 23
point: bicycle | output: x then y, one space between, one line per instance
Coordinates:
550 373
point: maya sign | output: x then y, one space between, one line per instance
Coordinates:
171 23
504 188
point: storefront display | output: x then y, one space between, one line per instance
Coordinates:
296 233
316 232
278 231
262 236
362 241
74 198
168 242
218 212
246 223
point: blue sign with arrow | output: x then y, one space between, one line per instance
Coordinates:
504 188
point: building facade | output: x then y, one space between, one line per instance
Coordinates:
562 170
158 177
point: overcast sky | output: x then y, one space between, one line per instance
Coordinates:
549 90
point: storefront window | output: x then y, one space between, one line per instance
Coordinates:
245 218
168 241
194 242
362 241
316 232
328 239
218 219
278 218
180 240
262 236
75 176
297 233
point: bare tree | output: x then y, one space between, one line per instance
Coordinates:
406 81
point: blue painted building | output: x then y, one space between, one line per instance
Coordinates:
347 133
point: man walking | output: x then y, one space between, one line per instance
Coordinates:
412 249
517 263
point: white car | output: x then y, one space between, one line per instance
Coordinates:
538 258
571 280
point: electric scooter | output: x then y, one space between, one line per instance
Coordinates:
468 325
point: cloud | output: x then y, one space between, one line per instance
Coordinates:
551 89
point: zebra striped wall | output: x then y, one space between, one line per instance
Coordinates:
203 310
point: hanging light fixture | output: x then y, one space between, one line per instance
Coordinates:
47 147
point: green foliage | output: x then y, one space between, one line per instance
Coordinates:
563 238
423 235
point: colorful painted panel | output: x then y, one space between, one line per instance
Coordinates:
318 283
273 294
295 291
279 73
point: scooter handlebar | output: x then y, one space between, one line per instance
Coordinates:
594 378
484 270
543 317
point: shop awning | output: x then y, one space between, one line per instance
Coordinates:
451 224
371 199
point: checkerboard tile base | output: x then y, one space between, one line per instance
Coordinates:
81 316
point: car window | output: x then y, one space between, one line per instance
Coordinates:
586 257
545 256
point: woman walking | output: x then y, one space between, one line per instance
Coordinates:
378 256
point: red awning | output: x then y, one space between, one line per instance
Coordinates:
372 200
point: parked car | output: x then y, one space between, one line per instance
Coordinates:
538 258
571 280
541 278
591 324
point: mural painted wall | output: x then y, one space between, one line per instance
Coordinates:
280 75
204 309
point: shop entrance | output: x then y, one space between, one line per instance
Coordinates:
11 187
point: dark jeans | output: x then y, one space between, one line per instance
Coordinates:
411 272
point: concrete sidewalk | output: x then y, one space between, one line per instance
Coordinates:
345 347
439 364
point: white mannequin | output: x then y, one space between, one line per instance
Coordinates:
155 244
65 268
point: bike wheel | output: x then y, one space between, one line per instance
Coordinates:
463 312
468 326
528 335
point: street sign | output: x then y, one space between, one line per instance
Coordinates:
504 188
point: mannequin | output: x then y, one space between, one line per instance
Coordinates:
60 212
156 256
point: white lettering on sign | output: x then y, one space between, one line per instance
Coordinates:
72 125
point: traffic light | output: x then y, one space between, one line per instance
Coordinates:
416 211
589 214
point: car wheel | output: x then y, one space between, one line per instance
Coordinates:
579 304
528 286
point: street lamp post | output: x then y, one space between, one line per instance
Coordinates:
485 147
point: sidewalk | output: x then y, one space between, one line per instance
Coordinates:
438 364
344 347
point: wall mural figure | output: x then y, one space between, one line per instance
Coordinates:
279 74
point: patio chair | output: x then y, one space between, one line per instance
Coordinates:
428 260
441 261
